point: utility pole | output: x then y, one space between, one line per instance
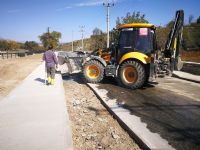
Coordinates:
82 30
108 5
48 32
72 41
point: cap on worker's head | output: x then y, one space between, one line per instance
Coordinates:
50 46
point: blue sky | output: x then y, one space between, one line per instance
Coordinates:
25 20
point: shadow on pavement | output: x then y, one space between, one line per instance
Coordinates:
183 132
77 77
40 80
113 81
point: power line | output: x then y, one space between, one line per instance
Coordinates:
72 40
48 30
108 5
48 34
82 31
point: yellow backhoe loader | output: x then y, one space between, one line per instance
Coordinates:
133 60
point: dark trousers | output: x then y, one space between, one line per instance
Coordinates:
51 72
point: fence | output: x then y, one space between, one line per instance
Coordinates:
10 54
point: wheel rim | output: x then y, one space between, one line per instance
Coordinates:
93 71
130 74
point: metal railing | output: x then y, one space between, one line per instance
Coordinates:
12 54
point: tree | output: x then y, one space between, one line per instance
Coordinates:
161 33
98 39
6 45
191 17
198 20
97 31
191 37
3 45
135 17
31 45
50 38
13 45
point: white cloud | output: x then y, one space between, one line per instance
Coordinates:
88 3
96 2
64 8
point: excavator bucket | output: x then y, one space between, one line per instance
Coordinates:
70 62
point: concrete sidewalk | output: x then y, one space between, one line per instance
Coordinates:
34 116
186 76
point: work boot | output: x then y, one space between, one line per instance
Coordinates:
49 80
52 81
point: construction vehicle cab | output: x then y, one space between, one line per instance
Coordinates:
135 38
133 60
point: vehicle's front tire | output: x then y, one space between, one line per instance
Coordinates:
93 71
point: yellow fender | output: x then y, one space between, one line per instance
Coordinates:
136 55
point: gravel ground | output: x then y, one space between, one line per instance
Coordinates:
92 125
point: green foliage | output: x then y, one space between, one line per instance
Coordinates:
191 36
190 20
3 45
31 45
98 39
198 20
50 39
97 31
8 45
162 34
135 17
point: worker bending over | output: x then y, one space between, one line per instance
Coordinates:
50 62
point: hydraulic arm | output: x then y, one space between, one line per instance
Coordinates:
173 43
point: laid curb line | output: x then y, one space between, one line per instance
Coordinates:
191 80
187 79
141 144
134 127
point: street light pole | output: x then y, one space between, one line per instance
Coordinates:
82 30
48 32
72 40
108 5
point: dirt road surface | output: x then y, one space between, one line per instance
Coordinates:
13 71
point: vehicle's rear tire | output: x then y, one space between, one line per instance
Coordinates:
93 71
131 74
